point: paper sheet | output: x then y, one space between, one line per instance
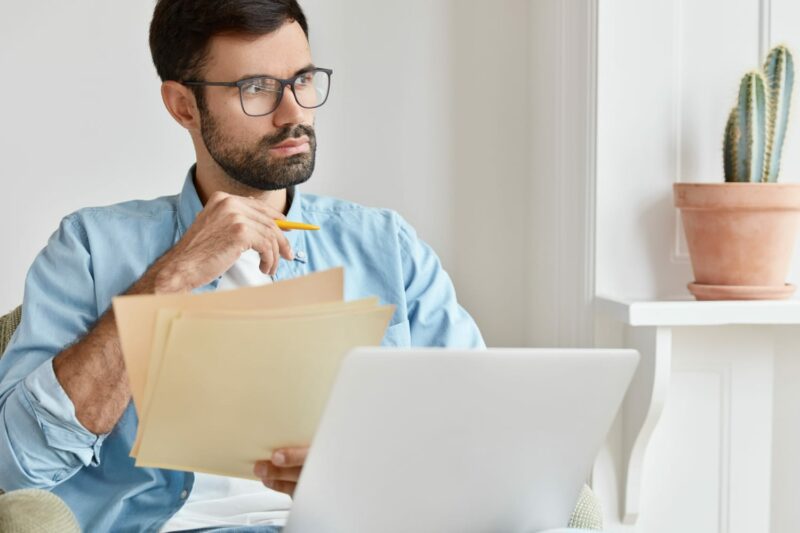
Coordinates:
165 317
230 390
136 315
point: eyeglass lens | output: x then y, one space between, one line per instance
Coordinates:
261 96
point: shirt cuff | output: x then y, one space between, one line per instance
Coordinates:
55 413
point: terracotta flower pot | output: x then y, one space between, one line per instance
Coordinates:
741 238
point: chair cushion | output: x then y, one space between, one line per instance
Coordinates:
35 511
588 513
8 324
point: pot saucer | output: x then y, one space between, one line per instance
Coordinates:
741 292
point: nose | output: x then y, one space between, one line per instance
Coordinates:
289 111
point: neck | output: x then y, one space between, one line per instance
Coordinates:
210 178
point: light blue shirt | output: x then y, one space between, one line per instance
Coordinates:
98 253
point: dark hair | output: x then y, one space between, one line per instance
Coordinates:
181 29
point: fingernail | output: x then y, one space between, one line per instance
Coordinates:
278 458
261 470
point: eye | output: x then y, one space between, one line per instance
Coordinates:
261 86
305 78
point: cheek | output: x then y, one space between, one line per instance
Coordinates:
240 129
225 106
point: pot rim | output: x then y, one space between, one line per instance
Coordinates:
737 196
741 184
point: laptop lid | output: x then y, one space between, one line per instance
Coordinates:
444 440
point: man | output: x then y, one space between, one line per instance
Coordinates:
239 77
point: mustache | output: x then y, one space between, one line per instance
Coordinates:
290 132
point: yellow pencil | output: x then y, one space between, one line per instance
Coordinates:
288 224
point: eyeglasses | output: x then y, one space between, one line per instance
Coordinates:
262 95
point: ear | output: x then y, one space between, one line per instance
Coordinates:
181 104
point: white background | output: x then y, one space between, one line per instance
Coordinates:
428 115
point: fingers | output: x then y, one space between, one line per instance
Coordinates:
268 471
264 236
271 245
284 248
282 479
282 459
277 256
287 487
225 227
280 243
283 470
271 251
264 247
295 456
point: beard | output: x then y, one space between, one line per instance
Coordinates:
253 166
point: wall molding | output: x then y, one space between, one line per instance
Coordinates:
765 28
680 254
563 52
590 188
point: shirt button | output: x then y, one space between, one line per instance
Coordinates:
300 255
184 494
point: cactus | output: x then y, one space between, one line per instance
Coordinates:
756 127
745 134
731 141
779 71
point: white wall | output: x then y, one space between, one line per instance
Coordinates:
492 178
562 158
669 74
786 436
83 125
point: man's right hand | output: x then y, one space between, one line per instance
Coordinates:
227 226
92 371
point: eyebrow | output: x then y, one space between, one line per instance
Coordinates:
310 66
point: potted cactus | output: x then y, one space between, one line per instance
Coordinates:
742 233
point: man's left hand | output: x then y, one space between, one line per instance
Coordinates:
282 470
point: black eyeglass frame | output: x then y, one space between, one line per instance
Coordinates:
289 82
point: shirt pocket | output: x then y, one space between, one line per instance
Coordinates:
397 335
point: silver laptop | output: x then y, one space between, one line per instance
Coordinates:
440 440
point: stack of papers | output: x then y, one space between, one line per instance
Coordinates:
221 379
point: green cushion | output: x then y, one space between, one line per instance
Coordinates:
8 324
35 511
587 513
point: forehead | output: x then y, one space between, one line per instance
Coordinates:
280 53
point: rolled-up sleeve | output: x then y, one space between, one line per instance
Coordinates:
434 314
42 443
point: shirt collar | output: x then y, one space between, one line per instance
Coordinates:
296 237
189 204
